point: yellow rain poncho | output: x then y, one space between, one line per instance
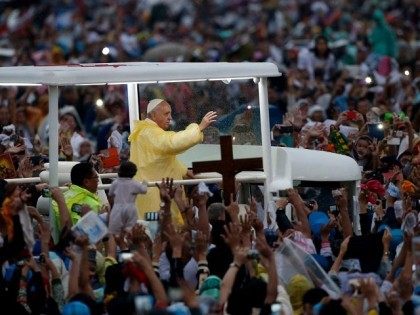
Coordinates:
154 152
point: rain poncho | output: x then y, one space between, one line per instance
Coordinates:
382 37
154 152
292 261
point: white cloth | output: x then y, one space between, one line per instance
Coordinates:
124 211
115 140
284 299
62 271
125 190
309 62
190 270
75 141
122 217
27 228
404 146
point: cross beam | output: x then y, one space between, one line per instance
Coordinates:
228 167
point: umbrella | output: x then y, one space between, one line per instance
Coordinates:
163 52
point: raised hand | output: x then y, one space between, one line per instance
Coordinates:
265 251
207 120
141 260
294 196
370 291
138 235
342 199
201 244
233 210
175 239
240 255
65 146
158 248
246 230
25 167
232 235
56 194
166 189
178 194
16 149
344 245
255 222
85 209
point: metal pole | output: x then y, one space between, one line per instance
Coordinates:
53 134
27 180
265 137
133 104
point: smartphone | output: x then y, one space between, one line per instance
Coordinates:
286 129
14 138
310 204
76 208
334 211
351 115
271 237
393 141
40 259
126 257
283 128
355 286
143 304
92 256
416 253
193 235
286 140
376 131
36 160
253 254
336 193
283 194
383 203
414 204
175 294
276 309
46 193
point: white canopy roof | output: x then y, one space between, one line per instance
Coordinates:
133 72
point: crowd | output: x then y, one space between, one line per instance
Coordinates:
349 85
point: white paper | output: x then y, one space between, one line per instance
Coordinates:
92 226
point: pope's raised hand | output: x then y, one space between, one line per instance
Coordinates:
207 120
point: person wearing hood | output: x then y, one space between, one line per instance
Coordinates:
383 38
316 114
154 149
71 128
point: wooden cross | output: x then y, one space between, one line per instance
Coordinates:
228 167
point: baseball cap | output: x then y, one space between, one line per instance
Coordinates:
76 308
317 220
211 287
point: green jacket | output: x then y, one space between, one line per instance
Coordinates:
76 195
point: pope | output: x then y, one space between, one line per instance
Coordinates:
153 148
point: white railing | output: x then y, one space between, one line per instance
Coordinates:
27 180
209 178
186 182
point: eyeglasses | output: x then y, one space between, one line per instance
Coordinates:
93 177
